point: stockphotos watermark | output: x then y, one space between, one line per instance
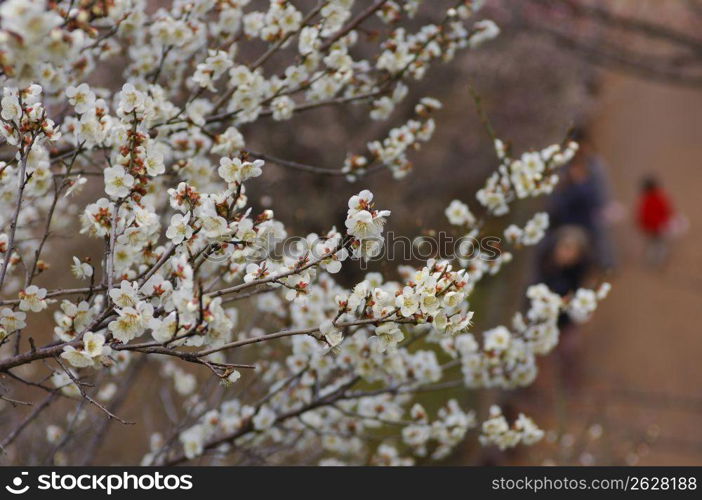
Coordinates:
108 483
389 247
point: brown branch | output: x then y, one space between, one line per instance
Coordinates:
618 21
15 402
28 420
85 395
59 293
612 57
192 357
295 165
13 224
51 350
291 333
248 426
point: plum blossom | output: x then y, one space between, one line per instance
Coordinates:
81 270
93 347
179 228
459 214
33 299
118 183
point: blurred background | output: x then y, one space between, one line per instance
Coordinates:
626 77
625 388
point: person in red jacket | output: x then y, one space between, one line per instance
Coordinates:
655 214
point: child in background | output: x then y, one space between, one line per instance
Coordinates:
566 260
655 214
565 265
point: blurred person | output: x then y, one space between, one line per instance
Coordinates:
564 265
582 198
655 218
565 262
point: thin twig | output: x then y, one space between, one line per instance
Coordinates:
87 397
28 420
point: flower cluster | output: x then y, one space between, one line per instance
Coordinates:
392 151
496 430
507 357
531 233
38 45
92 350
365 225
24 118
533 174
458 214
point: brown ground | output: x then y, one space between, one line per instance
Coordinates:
640 375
